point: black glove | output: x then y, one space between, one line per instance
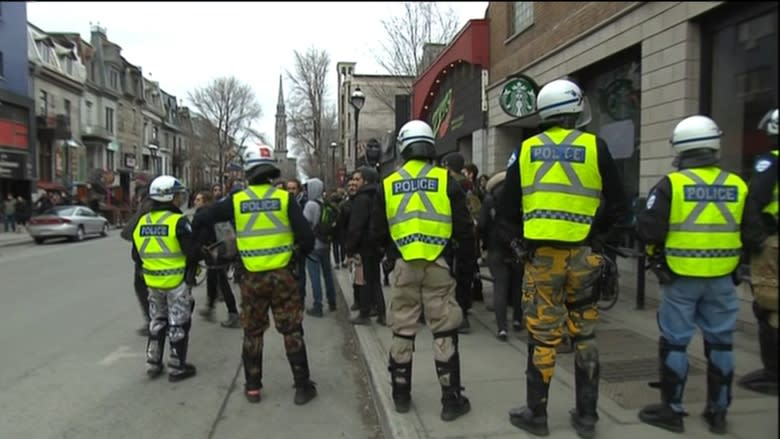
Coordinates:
388 264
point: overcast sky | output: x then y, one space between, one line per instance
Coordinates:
184 45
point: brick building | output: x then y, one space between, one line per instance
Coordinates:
643 67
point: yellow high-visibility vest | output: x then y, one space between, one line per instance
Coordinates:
705 214
263 234
418 210
561 184
154 236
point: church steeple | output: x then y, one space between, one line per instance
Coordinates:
280 101
287 165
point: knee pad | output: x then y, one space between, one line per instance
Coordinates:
402 348
445 344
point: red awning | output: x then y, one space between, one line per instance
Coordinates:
51 186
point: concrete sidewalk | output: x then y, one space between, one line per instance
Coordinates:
15 238
493 375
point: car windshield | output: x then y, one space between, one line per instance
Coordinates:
61 211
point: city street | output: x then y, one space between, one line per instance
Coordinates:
72 365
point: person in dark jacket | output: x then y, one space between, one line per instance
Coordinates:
358 245
507 272
345 211
141 292
337 198
216 278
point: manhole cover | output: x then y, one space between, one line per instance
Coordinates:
641 369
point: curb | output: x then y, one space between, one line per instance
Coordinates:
16 242
393 425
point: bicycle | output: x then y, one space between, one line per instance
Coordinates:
202 268
606 289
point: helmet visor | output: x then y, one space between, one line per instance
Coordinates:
585 115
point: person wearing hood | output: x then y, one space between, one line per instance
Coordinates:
165 248
318 262
695 228
359 246
270 230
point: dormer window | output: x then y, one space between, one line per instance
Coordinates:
114 79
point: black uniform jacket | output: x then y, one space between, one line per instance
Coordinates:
509 210
761 188
462 225
223 211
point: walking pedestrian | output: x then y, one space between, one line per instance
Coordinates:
318 262
269 227
553 187
762 196
695 227
9 214
216 276
165 248
417 216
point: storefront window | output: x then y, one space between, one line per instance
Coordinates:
740 54
613 90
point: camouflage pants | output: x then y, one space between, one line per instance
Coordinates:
557 291
277 290
763 277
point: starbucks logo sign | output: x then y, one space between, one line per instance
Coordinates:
518 97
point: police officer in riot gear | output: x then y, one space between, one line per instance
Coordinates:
762 196
165 249
696 220
553 188
416 216
269 225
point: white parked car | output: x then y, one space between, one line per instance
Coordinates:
74 222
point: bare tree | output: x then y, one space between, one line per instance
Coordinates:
406 34
231 107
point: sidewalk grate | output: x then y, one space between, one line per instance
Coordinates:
640 369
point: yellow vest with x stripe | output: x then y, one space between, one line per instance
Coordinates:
561 184
263 234
705 214
155 239
418 210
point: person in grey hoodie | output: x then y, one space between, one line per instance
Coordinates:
319 259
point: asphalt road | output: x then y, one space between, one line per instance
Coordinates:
73 367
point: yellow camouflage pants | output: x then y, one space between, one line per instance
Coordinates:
418 286
556 290
763 278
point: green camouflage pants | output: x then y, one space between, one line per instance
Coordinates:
277 290
556 291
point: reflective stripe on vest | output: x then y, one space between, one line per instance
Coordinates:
561 185
771 208
418 210
263 234
164 264
704 222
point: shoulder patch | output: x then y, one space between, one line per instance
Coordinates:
512 159
650 201
763 165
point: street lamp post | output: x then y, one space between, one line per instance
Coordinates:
357 100
333 146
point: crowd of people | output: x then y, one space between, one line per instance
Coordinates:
542 225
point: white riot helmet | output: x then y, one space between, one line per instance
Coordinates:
696 132
415 140
259 160
769 122
164 188
562 97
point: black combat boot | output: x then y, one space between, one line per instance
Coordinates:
584 416
155 348
663 415
763 380
304 387
401 380
454 404
532 417
717 382
253 374
179 368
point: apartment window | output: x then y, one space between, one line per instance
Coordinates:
522 16
89 113
43 108
69 65
44 49
110 120
120 123
114 79
67 110
146 132
167 139
155 132
110 159
146 162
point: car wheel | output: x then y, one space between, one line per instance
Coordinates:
80 233
104 232
39 240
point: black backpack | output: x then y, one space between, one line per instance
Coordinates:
328 226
